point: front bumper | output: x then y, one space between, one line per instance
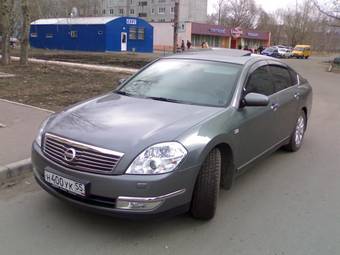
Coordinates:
122 195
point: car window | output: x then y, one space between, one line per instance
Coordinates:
186 81
281 77
293 77
260 82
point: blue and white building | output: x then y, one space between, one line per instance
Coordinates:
99 34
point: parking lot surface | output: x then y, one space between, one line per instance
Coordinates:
287 204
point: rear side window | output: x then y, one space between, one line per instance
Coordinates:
260 82
281 78
293 77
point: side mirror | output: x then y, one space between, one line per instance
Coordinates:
255 99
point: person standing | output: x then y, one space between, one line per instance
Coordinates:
188 44
183 46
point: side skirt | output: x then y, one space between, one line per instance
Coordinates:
243 168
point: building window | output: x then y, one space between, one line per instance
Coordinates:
121 11
152 10
141 33
132 11
104 11
142 14
161 10
49 35
133 33
144 3
111 11
172 10
34 35
74 34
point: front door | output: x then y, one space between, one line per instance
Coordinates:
257 130
123 41
233 43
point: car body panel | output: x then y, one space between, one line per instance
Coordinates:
127 124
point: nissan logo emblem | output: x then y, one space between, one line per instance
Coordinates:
70 154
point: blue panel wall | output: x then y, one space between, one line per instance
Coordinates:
105 37
123 24
89 37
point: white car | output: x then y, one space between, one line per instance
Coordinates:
285 53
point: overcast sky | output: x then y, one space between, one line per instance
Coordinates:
267 5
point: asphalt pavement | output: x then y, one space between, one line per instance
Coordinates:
18 127
287 204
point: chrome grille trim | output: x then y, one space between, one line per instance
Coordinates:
89 158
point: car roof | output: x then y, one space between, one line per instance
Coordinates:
240 57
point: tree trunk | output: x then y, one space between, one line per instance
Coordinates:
5 42
25 33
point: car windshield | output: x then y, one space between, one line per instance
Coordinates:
185 81
299 49
269 49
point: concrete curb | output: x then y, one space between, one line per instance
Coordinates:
80 65
26 105
15 170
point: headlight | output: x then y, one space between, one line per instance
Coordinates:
38 139
158 159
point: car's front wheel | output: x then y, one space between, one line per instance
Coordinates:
207 187
298 134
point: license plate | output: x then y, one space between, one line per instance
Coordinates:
65 184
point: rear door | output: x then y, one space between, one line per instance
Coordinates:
287 98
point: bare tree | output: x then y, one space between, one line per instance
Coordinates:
25 32
5 8
331 9
219 8
239 13
299 23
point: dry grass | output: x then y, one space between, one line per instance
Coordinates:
54 87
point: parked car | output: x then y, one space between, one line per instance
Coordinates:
285 53
171 135
271 52
302 51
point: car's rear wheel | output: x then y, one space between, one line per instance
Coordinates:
204 201
298 134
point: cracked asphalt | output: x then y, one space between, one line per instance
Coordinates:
287 204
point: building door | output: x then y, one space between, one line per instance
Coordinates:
123 41
233 43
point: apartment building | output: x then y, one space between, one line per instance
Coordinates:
157 10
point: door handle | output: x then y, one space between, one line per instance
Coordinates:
274 107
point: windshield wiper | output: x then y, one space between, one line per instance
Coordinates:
122 93
163 99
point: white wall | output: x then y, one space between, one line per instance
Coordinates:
164 34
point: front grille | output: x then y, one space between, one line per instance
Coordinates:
79 156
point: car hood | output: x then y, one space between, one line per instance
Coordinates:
127 124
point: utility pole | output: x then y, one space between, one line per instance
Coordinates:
176 24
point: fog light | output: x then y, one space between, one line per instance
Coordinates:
137 205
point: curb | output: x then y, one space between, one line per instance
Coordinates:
80 65
14 170
25 105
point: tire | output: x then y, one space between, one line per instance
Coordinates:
296 139
204 200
